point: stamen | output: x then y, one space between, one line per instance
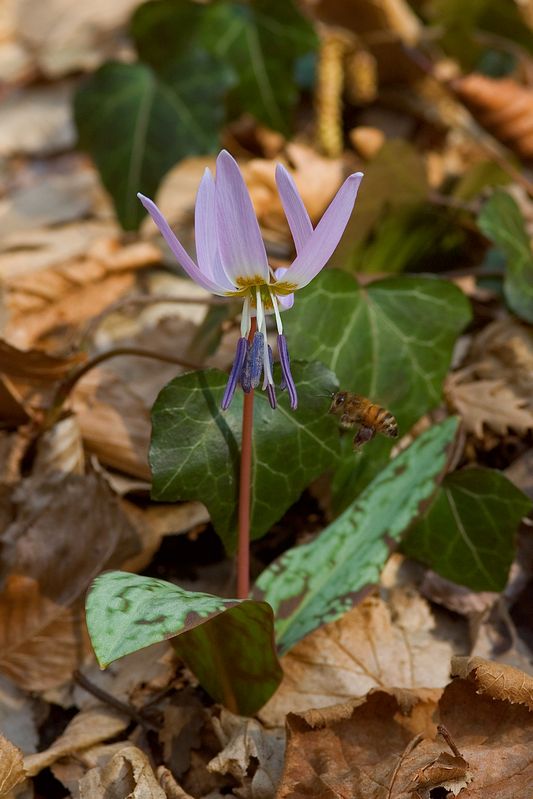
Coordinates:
268 367
253 364
271 394
288 381
276 312
231 385
245 318
259 309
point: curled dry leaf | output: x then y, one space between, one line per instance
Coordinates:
42 628
502 106
251 754
60 449
496 679
11 766
36 365
375 645
87 728
128 775
386 745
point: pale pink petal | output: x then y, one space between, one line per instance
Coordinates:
321 245
295 211
240 245
183 258
204 224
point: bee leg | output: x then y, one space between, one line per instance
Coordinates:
346 421
363 435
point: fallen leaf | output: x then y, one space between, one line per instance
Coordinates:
385 745
128 775
87 728
251 754
114 422
42 628
11 766
18 716
375 645
182 723
495 679
36 365
60 449
38 121
489 402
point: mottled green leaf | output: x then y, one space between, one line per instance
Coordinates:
261 41
228 643
391 341
136 124
467 534
317 582
195 447
502 222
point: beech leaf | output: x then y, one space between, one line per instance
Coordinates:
317 582
467 534
126 612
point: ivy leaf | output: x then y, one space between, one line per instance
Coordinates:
391 341
127 612
467 534
261 41
195 448
502 222
316 583
136 125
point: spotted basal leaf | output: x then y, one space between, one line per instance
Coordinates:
317 582
228 643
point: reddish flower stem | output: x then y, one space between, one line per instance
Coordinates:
245 488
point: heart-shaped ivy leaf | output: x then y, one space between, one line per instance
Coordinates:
195 449
127 612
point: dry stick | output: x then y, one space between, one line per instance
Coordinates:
65 387
110 700
245 487
442 730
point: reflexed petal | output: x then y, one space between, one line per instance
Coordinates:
236 369
204 224
322 243
295 211
182 256
240 244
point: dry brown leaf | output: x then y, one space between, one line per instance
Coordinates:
36 365
489 402
502 106
11 766
251 754
71 768
385 746
60 449
114 422
495 679
171 788
38 121
42 629
17 716
372 646
128 775
87 728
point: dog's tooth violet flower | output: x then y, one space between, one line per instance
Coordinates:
232 261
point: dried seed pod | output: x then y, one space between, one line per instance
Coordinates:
502 106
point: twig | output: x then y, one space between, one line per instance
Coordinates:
109 699
245 487
407 751
442 730
65 387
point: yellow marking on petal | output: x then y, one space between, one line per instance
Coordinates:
250 282
284 287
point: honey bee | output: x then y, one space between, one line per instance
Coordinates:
354 409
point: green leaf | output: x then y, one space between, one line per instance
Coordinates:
195 447
137 125
127 612
395 179
391 341
261 41
502 222
316 583
467 534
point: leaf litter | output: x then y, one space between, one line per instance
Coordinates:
64 266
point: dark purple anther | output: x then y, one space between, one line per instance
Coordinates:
253 364
236 370
271 392
287 381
